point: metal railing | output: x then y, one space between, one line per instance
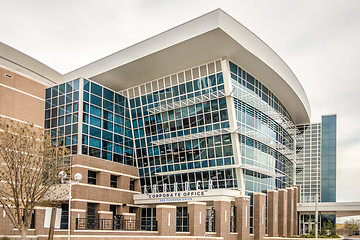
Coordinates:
115 224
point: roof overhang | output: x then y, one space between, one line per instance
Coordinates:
212 36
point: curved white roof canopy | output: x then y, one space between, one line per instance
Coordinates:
206 38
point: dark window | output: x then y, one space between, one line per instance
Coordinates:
132 184
113 209
92 177
113 181
64 216
182 217
32 224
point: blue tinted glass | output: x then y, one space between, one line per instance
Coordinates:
85 129
96 100
107 115
108 105
69 87
204 82
61 121
54 91
69 98
118 149
61 100
68 119
96 89
119 99
212 80
109 95
220 79
86 85
86 107
94 142
68 108
62 89
76 84
95 111
95 121
48 93
76 96
233 68
182 89
95 131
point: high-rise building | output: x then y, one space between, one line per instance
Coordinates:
204 112
316 168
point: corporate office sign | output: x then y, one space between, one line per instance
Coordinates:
176 196
171 194
186 196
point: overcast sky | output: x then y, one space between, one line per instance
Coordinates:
319 40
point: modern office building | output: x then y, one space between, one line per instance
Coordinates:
316 168
194 124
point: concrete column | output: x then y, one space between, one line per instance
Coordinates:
124 182
259 215
272 217
290 212
129 216
39 221
222 218
242 204
282 209
103 211
130 224
197 218
103 179
166 220
299 192
296 201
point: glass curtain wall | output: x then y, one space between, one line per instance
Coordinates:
102 115
181 131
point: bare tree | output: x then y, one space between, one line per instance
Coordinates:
30 164
351 226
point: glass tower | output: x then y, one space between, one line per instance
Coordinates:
316 152
328 159
308 169
316 168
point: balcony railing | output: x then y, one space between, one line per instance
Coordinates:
115 224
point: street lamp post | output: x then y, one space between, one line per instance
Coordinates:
77 178
316 216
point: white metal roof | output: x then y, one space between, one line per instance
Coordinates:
211 36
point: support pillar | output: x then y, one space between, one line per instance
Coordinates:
259 215
272 217
290 212
296 201
222 218
282 210
242 205
197 218
166 220
296 215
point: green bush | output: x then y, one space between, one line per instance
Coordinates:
307 236
4 238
